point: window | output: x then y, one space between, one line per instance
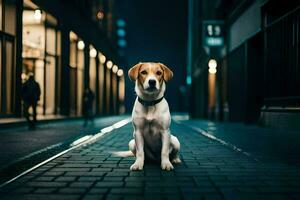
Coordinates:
7 56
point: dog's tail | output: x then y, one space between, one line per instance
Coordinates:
123 154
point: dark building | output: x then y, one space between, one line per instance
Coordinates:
255 45
68 46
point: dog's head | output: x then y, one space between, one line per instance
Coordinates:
150 76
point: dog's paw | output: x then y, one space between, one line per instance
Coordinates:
176 160
137 166
166 165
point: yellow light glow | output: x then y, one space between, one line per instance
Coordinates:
120 72
80 45
93 53
212 70
212 63
102 58
23 76
37 15
100 15
115 69
109 64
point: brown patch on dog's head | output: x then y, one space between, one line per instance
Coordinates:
168 74
134 71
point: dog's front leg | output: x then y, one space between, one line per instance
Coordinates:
140 157
165 151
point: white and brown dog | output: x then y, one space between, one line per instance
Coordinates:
151 117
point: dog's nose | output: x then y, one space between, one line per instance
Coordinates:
152 83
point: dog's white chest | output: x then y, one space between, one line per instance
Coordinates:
150 115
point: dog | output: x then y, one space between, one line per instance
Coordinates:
151 117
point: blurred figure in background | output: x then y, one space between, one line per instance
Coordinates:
31 95
88 99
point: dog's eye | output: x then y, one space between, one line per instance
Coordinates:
159 73
144 72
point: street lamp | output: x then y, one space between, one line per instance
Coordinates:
80 45
102 58
212 66
37 15
120 72
109 64
115 69
93 53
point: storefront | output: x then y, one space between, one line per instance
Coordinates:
76 73
41 55
7 57
61 53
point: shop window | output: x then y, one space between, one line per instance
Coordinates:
7 56
101 84
93 72
41 54
10 17
76 73
0 14
9 71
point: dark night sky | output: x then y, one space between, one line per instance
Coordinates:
157 31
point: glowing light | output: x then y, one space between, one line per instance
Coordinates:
212 70
115 69
212 63
93 53
102 58
37 15
109 64
23 76
120 72
121 32
100 15
80 45
121 23
122 43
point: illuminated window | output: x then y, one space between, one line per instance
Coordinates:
41 55
76 73
7 50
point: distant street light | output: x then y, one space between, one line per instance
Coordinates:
93 53
100 15
37 15
80 45
109 64
212 66
120 72
102 58
115 69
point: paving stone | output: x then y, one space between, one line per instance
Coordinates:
81 184
46 184
109 184
72 190
65 178
98 190
93 197
44 190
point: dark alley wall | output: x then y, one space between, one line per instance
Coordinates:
156 31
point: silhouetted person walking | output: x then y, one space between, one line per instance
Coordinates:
31 95
88 99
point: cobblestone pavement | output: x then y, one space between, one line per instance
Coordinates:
209 170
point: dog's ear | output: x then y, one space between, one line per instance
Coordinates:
134 71
168 74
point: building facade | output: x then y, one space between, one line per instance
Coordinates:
67 46
257 76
